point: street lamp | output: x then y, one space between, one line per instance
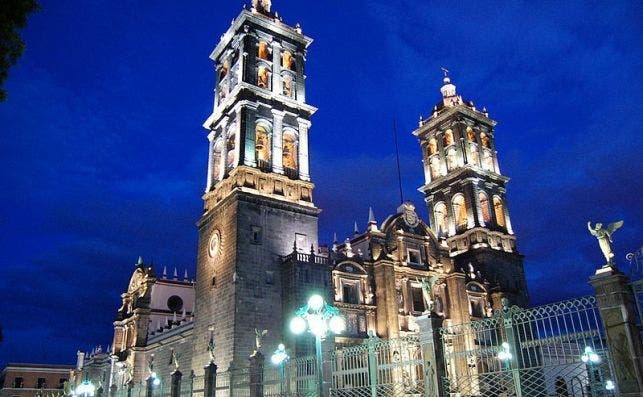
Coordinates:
279 358
86 388
318 317
590 358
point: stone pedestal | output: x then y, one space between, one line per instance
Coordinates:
256 374
210 380
616 305
175 386
432 355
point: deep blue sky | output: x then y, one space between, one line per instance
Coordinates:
104 157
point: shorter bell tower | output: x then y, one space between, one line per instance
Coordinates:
466 193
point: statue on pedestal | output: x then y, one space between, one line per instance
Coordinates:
604 237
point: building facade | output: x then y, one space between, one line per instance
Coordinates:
34 380
259 257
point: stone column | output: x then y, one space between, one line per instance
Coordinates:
247 120
175 385
224 150
616 305
208 185
276 68
210 380
256 374
277 141
432 355
386 295
304 172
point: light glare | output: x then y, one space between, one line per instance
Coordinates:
316 302
337 325
297 325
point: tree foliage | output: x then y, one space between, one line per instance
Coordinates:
13 17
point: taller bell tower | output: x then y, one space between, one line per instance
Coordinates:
465 193
258 195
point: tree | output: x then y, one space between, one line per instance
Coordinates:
13 16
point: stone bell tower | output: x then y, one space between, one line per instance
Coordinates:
465 193
258 196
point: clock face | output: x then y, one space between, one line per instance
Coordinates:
214 247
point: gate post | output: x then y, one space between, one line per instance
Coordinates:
256 374
514 343
616 306
432 355
372 362
175 384
210 380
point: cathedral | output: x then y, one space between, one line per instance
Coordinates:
259 256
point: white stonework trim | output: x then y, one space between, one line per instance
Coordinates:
277 144
304 172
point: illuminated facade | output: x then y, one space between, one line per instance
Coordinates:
258 253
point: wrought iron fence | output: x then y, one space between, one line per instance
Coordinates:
548 350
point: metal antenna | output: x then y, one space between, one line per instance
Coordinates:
397 157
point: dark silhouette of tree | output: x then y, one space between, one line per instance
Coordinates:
13 16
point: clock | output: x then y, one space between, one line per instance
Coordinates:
214 246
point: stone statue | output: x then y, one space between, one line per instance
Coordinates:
604 237
259 338
175 359
427 287
262 6
211 345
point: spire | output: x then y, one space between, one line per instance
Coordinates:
176 275
164 271
372 223
185 275
449 96
139 262
334 242
355 229
174 318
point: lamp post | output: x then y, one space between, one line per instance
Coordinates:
505 357
86 389
279 357
318 317
590 358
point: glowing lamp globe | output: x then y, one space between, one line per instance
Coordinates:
317 325
297 325
337 325
316 302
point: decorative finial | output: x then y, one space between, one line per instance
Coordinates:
448 90
164 271
355 229
175 276
298 28
185 275
140 261
372 223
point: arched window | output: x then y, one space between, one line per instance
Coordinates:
230 146
217 160
460 211
499 211
452 159
287 86
433 146
487 160
474 156
441 216
471 135
448 138
262 146
263 77
263 51
484 139
290 153
435 167
484 207
287 60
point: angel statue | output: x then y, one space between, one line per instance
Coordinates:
211 345
262 6
604 237
427 286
